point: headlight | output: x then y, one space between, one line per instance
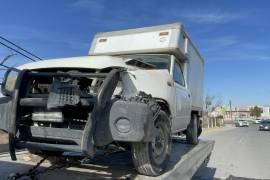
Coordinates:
122 125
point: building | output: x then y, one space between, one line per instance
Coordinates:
244 112
265 112
238 112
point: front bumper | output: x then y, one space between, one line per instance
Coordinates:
101 127
141 124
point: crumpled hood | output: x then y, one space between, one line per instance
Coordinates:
93 62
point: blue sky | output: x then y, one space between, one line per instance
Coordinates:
232 36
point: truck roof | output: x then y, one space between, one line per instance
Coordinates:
169 38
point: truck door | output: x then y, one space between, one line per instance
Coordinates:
182 98
5 109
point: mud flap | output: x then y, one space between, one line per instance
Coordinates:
103 99
5 108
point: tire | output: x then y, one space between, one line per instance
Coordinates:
199 128
192 130
151 158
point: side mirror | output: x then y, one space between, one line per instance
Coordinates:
9 81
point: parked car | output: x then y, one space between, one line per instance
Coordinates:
257 121
265 125
241 123
135 89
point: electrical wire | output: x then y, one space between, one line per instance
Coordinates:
17 51
1 37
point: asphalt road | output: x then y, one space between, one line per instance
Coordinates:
239 153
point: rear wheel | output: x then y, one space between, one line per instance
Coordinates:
150 158
192 131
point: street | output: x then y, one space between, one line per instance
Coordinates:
239 153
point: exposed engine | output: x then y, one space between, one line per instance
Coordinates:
59 101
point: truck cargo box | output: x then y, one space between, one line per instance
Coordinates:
167 39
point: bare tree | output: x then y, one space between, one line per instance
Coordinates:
211 103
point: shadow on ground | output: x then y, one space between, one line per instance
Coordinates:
209 173
117 165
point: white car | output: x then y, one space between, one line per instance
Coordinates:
257 121
136 89
241 123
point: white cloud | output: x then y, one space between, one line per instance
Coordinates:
222 41
90 5
229 44
254 46
238 56
212 17
206 16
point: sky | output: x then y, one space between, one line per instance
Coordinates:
232 36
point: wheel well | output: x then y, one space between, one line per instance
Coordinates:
164 106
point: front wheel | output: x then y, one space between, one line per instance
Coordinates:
192 130
150 158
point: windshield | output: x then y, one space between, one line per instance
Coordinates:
157 61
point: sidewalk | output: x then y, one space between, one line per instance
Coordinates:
3 142
207 131
3 138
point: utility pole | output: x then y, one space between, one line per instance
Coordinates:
230 102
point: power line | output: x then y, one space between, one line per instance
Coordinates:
4 66
17 51
1 37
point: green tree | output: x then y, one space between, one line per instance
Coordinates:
255 111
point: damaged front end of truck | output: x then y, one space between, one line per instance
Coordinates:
74 110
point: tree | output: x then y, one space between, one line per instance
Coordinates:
211 104
255 111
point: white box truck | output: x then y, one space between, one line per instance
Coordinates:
136 88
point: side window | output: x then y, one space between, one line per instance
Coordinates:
178 74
